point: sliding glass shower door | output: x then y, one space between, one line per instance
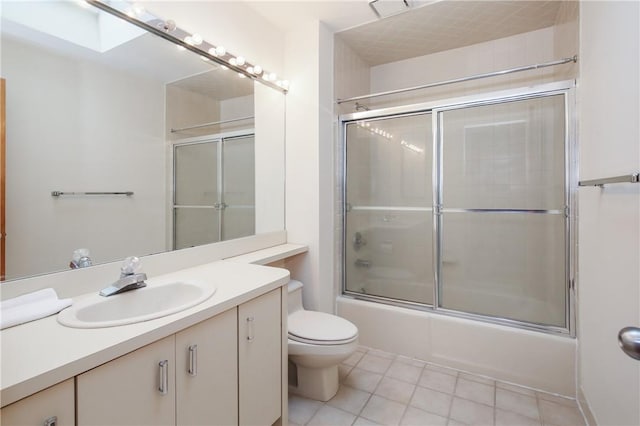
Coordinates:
503 210
462 209
389 223
214 190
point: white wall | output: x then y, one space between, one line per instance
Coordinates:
67 137
609 218
309 153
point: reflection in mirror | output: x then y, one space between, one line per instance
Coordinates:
95 104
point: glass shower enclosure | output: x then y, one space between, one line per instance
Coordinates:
463 207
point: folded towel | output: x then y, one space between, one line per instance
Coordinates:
36 296
30 307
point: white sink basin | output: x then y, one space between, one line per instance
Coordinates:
151 302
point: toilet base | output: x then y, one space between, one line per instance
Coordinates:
320 384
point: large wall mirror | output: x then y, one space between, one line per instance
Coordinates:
119 142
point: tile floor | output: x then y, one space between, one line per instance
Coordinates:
379 388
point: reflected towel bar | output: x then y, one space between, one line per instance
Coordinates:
633 178
59 193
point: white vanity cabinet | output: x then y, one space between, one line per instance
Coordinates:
226 370
207 372
53 406
135 389
260 359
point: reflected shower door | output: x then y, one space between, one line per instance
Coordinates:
388 220
238 187
503 226
197 184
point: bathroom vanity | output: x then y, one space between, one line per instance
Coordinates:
221 362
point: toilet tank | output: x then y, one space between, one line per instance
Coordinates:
295 296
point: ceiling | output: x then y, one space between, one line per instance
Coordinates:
428 27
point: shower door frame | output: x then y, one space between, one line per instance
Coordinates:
436 109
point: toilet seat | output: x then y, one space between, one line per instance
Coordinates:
319 328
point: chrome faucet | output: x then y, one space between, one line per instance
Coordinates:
129 278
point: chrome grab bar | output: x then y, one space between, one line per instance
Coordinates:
59 193
633 178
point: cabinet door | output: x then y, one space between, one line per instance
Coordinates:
135 389
54 404
207 372
259 359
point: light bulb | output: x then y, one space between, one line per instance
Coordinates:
240 60
250 70
285 84
233 61
189 40
197 39
272 76
257 69
212 52
220 51
138 10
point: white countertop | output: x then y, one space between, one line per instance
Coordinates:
41 353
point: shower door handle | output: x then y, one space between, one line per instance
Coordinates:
629 340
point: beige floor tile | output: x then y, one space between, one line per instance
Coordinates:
353 359
516 388
349 399
437 380
374 363
361 421
508 418
475 391
560 415
363 380
517 403
471 413
453 422
330 416
343 371
431 401
405 372
383 411
395 390
302 409
416 417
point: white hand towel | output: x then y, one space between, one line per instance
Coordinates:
36 296
31 307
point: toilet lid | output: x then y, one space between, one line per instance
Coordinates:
318 327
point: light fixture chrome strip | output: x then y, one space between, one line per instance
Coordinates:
213 123
461 80
162 31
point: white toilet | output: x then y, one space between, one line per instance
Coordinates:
318 342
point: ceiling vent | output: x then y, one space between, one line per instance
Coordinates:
386 8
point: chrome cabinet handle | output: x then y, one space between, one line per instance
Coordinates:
164 377
193 360
629 340
51 421
250 335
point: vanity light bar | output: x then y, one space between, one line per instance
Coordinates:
168 30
